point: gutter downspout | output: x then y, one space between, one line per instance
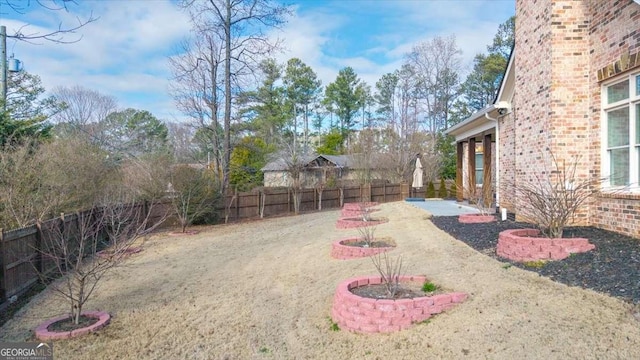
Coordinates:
497 157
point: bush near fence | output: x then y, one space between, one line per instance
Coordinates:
19 258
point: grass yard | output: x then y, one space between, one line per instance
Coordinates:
264 289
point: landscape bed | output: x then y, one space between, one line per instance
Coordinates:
613 267
264 290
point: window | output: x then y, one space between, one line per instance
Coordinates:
621 122
479 164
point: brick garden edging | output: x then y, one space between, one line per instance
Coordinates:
523 245
43 334
355 213
359 314
358 206
351 223
345 252
476 218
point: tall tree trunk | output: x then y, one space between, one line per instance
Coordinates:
306 128
227 98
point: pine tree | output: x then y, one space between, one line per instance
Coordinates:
442 190
431 190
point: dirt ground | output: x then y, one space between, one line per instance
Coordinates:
264 289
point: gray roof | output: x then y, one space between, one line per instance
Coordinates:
341 161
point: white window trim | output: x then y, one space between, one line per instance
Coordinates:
634 176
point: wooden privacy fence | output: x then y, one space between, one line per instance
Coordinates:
277 201
20 261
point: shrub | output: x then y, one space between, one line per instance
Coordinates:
442 190
431 190
429 287
390 270
453 191
552 198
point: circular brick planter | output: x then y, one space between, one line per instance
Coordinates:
342 250
355 213
523 245
365 315
476 218
358 206
351 223
43 334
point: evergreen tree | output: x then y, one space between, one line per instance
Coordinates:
265 108
431 190
343 95
26 111
302 88
442 190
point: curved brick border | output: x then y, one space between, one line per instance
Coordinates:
350 223
352 213
523 245
358 206
43 334
345 252
359 314
476 218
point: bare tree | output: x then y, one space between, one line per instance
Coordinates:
367 235
396 159
554 196
82 107
390 271
181 141
294 163
21 187
40 180
71 246
437 63
57 35
193 195
240 26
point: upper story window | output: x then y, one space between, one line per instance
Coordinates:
621 124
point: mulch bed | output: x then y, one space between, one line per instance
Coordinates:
68 325
405 291
376 243
613 267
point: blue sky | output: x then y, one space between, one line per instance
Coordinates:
125 52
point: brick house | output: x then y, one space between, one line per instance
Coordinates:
571 89
317 170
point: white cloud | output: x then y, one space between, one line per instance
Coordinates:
314 34
125 52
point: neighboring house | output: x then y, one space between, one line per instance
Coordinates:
572 88
318 169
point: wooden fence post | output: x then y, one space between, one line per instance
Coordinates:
384 192
404 190
3 263
39 262
237 204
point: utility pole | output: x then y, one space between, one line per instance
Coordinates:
3 67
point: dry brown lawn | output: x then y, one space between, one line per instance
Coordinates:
263 290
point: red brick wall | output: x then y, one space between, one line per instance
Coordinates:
560 45
614 29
